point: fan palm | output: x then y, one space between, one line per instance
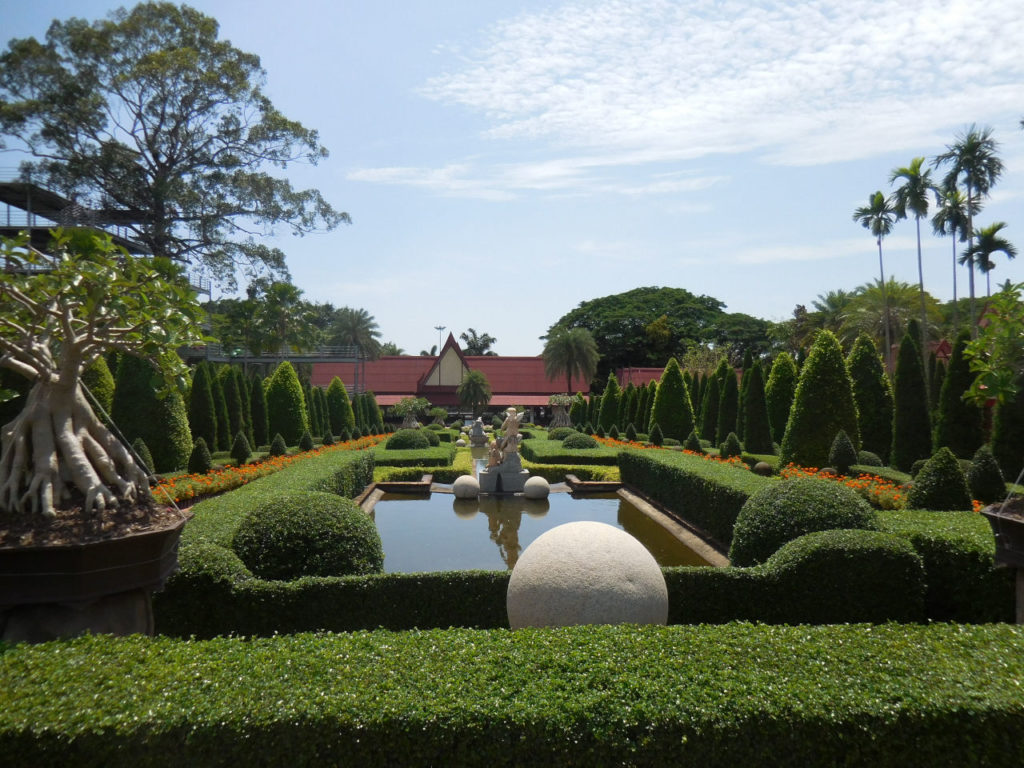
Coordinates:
878 217
872 309
572 352
356 328
911 197
474 391
972 159
951 218
987 242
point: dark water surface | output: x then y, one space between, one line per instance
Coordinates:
442 533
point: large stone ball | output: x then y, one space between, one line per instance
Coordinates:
466 487
536 488
586 573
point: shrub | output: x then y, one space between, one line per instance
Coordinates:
911 425
308 534
408 440
609 403
432 437
161 422
783 511
328 438
339 409
278 447
728 406
872 394
600 431
917 466
200 461
984 478
100 381
240 449
731 446
306 441
579 441
823 405
613 433
220 409
656 437
778 394
842 455
232 399
286 406
1008 434
631 433
757 433
258 407
693 443
869 459
142 452
940 484
958 425
588 428
202 416
709 409
672 409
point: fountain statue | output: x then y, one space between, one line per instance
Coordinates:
504 472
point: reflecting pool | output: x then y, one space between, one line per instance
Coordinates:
442 533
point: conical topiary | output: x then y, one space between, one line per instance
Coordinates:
709 409
306 441
161 422
872 394
911 426
220 409
200 461
631 433
143 456
730 446
757 434
671 410
610 403
258 404
232 399
984 479
613 433
842 455
1008 434
240 449
940 485
778 394
692 443
286 406
656 437
958 425
100 381
823 405
278 447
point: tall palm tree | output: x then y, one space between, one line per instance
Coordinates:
878 217
972 159
356 328
952 218
477 343
572 352
987 242
474 391
912 196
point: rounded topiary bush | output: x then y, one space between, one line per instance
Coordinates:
940 484
560 433
308 534
432 437
783 511
869 459
731 447
407 440
579 440
985 479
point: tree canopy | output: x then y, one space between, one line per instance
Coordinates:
149 121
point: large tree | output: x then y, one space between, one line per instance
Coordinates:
878 217
477 344
155 124
355 328
972 160
474 392
987 243
89 300
570 352
951 219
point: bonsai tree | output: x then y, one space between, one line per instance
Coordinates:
61 313
409 408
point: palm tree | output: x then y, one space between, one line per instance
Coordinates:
831 308
869 311
951 218
912 195
474 391
356 328
390 348
477 344
972 158
987 242
878 216
572 352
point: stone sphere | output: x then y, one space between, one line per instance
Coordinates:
536 488
460 443
586 573
466 487
763 468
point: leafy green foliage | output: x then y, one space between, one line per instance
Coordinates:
278 447
911 428
757 435
656 437
872 394
308 534
778 394
730 447
560 433
692 443
139 413
609 403
474 392
200 461
306 441
728 406
220 409
672 409
958 426
1008 435
143 456
579 441
286 406
783 511
240 449
570 352
709 409
842 455
940 485
339 408
408 440
258 404
100 381
984 479
823 405
869 459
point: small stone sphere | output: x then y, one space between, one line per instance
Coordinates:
763 468
460 443
466 487
536 488
586 573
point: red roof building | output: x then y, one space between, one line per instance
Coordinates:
513 380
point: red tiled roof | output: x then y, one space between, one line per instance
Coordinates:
639 376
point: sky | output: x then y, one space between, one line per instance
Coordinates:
504 161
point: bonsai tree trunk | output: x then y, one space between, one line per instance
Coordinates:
57 445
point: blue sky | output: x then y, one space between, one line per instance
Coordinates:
504 161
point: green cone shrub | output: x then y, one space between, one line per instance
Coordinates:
984 479
692 443
656 437
778 394
872 394
730 447
672 409
278 447
286 405
240 449
911 426
958 425
940 485
144 456
842 455
200 461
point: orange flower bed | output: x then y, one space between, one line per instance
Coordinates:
193 486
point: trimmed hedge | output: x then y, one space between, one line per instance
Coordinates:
554 452
441 456
408 440
612 695
707 494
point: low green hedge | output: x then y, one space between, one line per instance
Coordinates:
739 694
708 494
888 473
440 456
553 452
958 551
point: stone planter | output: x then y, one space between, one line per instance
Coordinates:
1007 522
100 586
